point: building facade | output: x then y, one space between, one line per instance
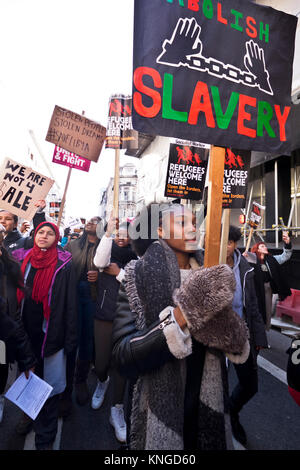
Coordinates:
127 194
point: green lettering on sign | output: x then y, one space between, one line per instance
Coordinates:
264 116
167 111
223 119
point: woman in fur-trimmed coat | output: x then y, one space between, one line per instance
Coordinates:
174 326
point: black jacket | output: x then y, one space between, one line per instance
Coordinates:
16 341
252 313
10 276
137 352
61 330
108 286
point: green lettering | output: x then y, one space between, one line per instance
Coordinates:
208 9
238 15
223 119
264 31
181 2
264 116
167 111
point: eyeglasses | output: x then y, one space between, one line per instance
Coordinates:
93 222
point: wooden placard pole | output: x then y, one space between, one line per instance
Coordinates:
249 239
214 206
116 183
64 197
224 235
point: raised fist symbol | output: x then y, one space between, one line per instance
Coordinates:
184 42
254 61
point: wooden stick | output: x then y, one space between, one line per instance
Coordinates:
116 183
249 239
248 210
214 206
224 236
64 198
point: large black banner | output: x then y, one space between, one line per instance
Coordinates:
212 71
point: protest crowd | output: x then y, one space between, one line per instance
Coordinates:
143 314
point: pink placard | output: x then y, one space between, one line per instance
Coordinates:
63 157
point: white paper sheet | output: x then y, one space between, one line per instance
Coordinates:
29 394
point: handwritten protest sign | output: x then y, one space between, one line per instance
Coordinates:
236 172
21 187
75 223
70 159
76 133
186 169
215 72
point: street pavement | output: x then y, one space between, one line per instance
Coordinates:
271 419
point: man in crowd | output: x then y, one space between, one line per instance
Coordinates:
246 306
83 252
13 239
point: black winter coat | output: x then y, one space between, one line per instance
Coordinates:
108 285
17 344
253 316
137 352
10 276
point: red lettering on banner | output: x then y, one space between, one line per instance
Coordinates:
244 116
282 120
251 31
201 103
142 110
193 5
219 14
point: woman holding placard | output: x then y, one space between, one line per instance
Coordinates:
173 327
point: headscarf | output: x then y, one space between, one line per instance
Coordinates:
44 260
254 249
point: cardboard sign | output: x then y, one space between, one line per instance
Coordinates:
119 131
236 171
21 187
186 170
256 215
215 72
76 133
63 157
75 223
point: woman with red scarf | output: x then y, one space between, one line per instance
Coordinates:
49 316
